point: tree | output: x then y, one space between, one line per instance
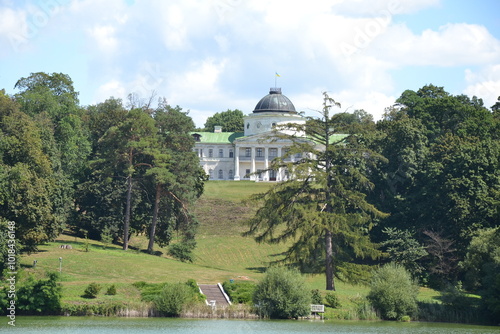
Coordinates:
178 178
324 202
282 294
404 250
482 268
28 184
126 154
230 120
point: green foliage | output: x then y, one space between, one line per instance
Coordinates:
482 265
332 300
173 298
240 292
455 297
182 251
92 290
403 249
393 293
230 120
39 296
282 294
316 297
111 290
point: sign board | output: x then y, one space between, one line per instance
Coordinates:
318 308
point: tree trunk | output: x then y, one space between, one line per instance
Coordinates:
127 213
156 209
329 268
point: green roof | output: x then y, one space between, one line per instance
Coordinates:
218 137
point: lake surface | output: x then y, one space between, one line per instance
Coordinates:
104 325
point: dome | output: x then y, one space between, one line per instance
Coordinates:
275 102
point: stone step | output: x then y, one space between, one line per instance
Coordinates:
213 292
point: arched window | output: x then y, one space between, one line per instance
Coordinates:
231 176
221 174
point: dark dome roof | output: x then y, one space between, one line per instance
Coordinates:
275 102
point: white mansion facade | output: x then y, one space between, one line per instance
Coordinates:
243 155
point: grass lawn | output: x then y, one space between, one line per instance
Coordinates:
221 254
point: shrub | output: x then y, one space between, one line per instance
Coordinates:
282 294
173 298
111 290
316 297
40 296
332 300
181 251
92 290
393 292
240 292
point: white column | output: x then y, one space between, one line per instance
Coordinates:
279 177
266 164
253 177
236 163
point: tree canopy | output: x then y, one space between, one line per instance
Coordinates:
230 120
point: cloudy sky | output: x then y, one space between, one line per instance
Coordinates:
208 56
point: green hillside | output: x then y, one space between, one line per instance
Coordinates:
222 253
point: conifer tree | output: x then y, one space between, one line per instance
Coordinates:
322 208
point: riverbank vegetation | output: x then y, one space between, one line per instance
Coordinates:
112 194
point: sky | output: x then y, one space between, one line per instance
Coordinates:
209 56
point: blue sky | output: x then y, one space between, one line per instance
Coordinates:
210 56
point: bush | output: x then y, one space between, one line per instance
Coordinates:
181 251
92 290
282 294
40 296
111 290
240 292
393 292
173 298
332 300
316 297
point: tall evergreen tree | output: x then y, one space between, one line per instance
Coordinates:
322 208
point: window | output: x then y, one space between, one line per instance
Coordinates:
211 173
248 152
221 153
259 152
231 153
221 174
273 152
231 176
197 137
248 125
210 153
247 173
201 153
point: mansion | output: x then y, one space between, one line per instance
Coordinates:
247 155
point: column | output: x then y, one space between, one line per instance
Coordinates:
279 177
253 177
266 164
236 163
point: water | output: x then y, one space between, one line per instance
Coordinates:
102 325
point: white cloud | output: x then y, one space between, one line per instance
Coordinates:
484 83
113 88
376 7
104 38
452 45
200 83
